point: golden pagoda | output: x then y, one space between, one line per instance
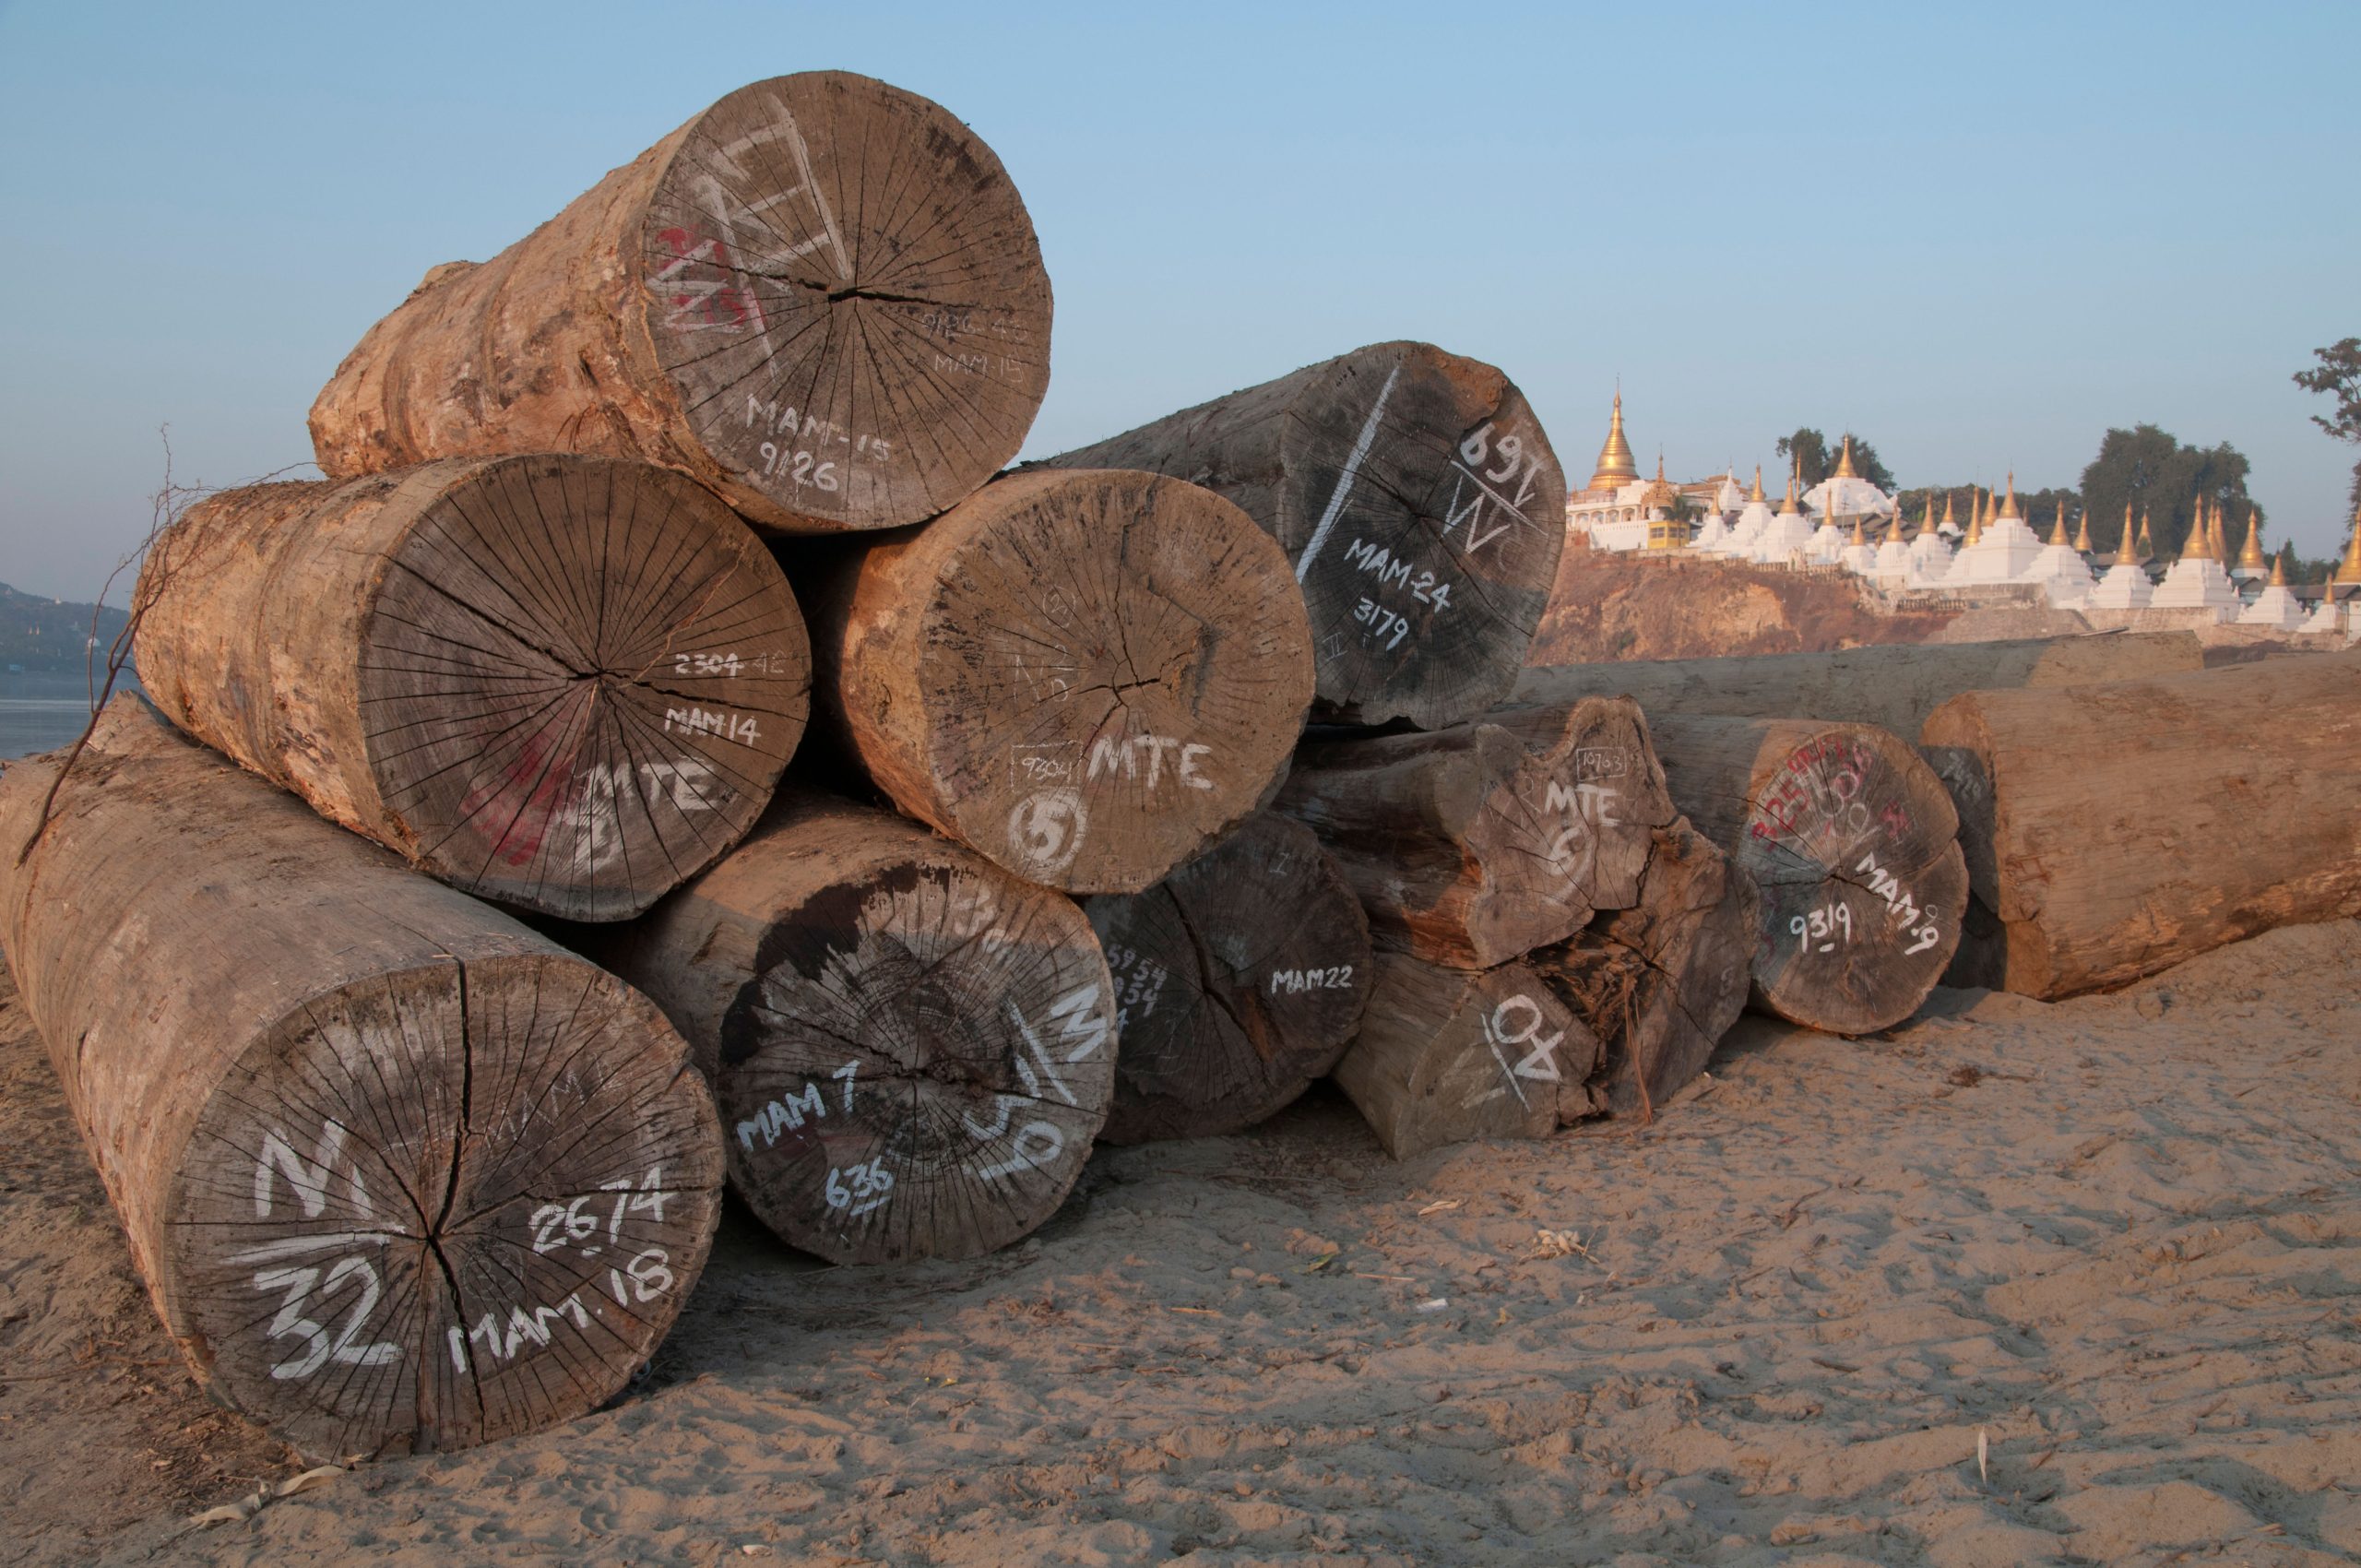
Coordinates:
2220 537
1975 518
1616 467
1788 508
1950 514
2058 530
2009 507
2127 553
2250 557
2348 571
2082 530
2279 570
2147 539
1844 469
1756 493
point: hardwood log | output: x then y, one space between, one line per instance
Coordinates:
821 298
1661 982
1420 505
1475 845
1238 980
912 1049
1446 1056
561 682
399 1173
2113 830
1854 845
1894 686
1085 677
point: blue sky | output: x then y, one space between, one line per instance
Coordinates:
1979 234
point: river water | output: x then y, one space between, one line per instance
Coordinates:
40 713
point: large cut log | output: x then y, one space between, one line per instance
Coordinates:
562 682
399 1173
1085 677
1238 980
1418 501
912 1049
1661 982
1446 1056
1475 845
821 297
2113 830
1894 686
1853 843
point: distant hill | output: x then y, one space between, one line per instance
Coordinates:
50 636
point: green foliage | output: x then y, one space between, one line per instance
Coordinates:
2338 375
2158 475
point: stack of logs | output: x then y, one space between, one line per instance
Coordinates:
1145 785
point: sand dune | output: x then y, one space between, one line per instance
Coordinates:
2118 1238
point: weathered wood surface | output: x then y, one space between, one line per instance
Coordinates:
1894 686
1473 846
1854 845
912 1049
2113 830
1661 982
1238 980
562 682
1420 505
399 1173
821 298
1086 677
1446 1056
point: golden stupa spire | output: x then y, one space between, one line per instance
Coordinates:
2349 569
2058 531
1976 520
1616 465
1951 512
1844 469
1788 508
1857 530
2082 531
2127 553
1756 493
2279 570
2009 507
2147 539
2250 557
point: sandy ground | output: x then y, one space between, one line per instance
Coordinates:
2119 1239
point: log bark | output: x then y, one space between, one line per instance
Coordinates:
1085 677
2113 830
1854 845
1894 686
562 682
912 1049
1418 501
399 1173
1661 982
1473 846
1238 980
821 298
1447 1056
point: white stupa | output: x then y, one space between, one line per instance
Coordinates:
1845 494
1788 534
2001 551
1752 519
2274 606
2252 565
2064 576
2199 580
2126 584
1892 564
2325 615
1930 552
1859 557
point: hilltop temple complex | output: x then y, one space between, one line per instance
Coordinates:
1846 524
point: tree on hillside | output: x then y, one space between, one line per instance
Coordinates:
2338 375
1819 455
2155 473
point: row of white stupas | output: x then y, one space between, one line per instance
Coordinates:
1998 548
